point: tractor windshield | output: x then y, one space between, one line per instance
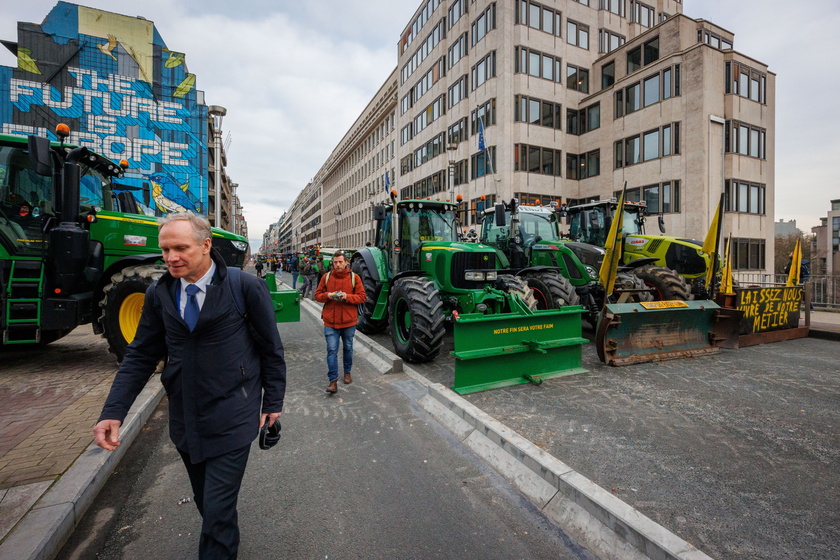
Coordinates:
534 227
26 201
421 224
589 226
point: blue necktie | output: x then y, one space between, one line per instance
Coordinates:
191 310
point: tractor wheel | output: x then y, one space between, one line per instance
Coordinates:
552 290
630 281
123 304
367 325
515 285
666 283
416 314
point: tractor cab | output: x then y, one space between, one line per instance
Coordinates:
418 223
590 223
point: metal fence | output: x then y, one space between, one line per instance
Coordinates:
825 289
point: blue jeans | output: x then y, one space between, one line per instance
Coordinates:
294 280
332 335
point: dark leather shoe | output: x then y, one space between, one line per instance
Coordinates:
332 387
347 379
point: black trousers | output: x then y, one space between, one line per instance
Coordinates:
215 483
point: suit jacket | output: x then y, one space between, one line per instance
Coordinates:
218 376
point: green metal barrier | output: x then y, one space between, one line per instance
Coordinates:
286 302
632 333
493 351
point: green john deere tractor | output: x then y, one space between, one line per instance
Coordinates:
529 244
419 274
68 259
674 267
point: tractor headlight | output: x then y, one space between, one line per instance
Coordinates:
474 276
491 276
590 270
239 245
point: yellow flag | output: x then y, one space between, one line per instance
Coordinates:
609 267
793 278
726 281
710 245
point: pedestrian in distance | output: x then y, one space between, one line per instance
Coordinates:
306 274
293 266
312 278
341 291
224 373
259 267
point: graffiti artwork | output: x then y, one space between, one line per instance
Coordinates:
123 93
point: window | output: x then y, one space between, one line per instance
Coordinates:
486 112
583 166
458 50
642 14
577 34
607 75
651 51
456 10
484 70
634 59
483 163
643 55
744 197
584 120
653 144
577 78
537 16
745 139
651 90
609 41
661 198
537 112
534 159
746 82
484 23
457 91
617 7
713 39
748 254
457 132
537 64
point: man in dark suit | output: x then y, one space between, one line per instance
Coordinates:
225 374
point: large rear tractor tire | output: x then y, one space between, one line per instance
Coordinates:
367 325
416 317
123 304
551 290
666 283
515 285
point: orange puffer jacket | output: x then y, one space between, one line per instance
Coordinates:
340 314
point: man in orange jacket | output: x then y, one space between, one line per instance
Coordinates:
341 291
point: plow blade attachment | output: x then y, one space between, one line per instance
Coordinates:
493 351
286 302
633 333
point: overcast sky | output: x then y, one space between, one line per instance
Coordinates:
294 75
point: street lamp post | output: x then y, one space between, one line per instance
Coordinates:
217 112
234 206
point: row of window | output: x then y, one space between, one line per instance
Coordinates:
435 73
653 144
457 9
536 159
424 50
458 50
661 198
745 139
744 196
537 64
748 254
426 117
483 24
608 41
537 112
746 82
458 91
713 39
486 112
582 166
418 23
653 89
537 16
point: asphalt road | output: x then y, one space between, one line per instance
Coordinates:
737 453
362 474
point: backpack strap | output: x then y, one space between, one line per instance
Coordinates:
352 280
235 283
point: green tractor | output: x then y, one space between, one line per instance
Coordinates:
675 268
419 275
74 248
529 244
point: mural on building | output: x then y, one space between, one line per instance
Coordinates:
123 93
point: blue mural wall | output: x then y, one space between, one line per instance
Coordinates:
123 93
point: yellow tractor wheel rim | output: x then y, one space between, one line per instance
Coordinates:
130 311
